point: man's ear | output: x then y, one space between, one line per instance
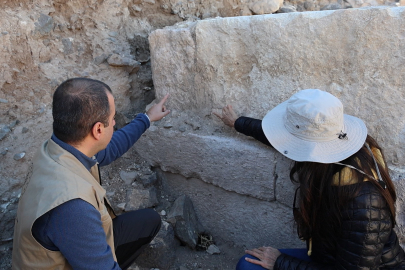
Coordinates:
97 130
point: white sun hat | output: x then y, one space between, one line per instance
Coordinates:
311 126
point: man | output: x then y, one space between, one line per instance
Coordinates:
64 220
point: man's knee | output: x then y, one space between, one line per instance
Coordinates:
154 220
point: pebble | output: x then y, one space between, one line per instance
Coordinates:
121 206
4 33
19 156
113 34
41 110
213 249
4 131
182 128
3 100
163 213
4 151
14 123
168 125
24 130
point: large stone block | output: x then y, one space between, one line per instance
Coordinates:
254 63
228 216
225 162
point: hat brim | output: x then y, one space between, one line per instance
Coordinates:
302 150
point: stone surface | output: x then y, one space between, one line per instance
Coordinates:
139 198
255 63
185 221
244 220
192 156
268 63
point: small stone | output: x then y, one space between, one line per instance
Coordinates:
4 131
182 128
163 213
141 198
19 156
167 125
148 180
3 100
44 24
67 45
4 33
136 8
128 177
131 65
110 193
287 9
41 110
334 6
24 130
113 34
14 123
4 151
100 59
213 249
46 42
121 206
186 226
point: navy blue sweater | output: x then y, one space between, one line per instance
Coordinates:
74 228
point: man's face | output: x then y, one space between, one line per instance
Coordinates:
111 121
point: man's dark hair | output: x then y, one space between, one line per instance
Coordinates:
77 105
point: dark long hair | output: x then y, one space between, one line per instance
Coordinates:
319 201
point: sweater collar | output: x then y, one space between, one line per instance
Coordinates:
85 160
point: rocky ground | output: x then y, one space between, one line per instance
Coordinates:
130 175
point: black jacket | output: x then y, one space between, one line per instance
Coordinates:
368 240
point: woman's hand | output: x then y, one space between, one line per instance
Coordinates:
228 116
267 256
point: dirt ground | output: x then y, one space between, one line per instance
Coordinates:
187 259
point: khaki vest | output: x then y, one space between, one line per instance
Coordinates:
57 177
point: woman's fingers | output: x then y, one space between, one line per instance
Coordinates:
254 261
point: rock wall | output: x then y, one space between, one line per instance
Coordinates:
240 188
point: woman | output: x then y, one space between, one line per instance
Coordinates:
345 201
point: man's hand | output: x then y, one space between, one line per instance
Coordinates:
228 116
267 256
158 111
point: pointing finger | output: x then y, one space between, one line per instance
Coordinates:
164 99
